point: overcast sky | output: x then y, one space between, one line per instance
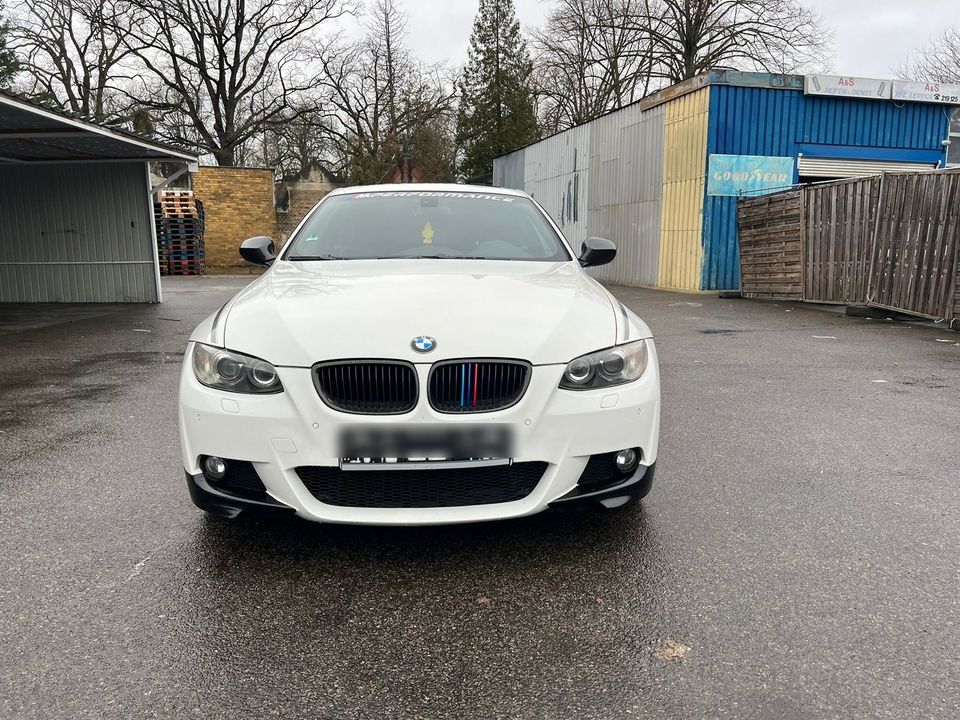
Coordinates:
871 37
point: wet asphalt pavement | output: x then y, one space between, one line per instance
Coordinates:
799 556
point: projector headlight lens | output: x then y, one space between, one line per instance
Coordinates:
226 370
606 368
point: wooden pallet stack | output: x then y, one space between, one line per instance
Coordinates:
179 218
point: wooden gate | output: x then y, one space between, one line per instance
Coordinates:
914 263
771 263
839 221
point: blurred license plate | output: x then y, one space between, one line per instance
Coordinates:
425 442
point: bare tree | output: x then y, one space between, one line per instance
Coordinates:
379 96
592 56
435 149
295 144
231 69
597 55
938 61
692 36
73 54
389 25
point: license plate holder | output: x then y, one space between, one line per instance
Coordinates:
366 464
406 444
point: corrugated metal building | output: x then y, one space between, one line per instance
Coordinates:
76 213
661 177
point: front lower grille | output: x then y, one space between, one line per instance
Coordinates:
367 387
471 386
422 488
601 470
241 479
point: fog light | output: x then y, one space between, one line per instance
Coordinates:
214 468
627 460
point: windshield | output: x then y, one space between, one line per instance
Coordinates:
424 224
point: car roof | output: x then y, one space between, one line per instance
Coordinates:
428 187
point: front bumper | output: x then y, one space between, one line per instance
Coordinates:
225 504
279 433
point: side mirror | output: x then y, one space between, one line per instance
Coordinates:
597 251
258 250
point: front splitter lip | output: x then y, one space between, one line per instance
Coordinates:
634 488
218 502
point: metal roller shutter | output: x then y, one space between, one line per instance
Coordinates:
839 168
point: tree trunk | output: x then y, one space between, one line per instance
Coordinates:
225 156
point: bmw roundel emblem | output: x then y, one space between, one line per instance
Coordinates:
423 344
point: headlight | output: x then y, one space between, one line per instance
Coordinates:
615 366
225 370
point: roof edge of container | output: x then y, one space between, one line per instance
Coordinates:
735 78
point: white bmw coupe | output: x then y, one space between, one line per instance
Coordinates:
421 354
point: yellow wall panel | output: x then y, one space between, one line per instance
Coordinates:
684 175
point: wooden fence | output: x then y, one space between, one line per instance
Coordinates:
770 252
914 264
955 320
890 241
839 222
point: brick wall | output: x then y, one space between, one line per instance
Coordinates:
238 203
301 202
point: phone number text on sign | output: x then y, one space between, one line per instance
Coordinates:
926 92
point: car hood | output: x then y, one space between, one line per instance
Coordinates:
300 313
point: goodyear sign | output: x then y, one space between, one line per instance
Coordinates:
735 175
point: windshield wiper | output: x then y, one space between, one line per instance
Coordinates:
447 257
316 257
390 257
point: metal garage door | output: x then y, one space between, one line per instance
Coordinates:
76 233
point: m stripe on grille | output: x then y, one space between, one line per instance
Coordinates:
462 386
